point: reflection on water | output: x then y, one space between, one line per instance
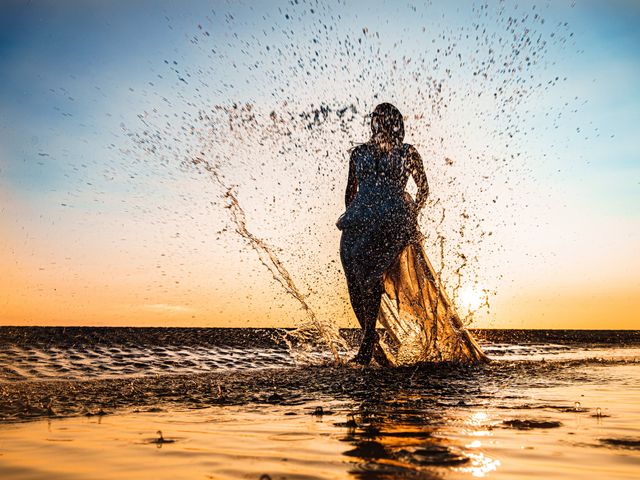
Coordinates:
226 410
402 443
507 420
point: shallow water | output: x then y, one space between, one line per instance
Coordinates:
83 353
516 417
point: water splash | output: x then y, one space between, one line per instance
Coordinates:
466 90
269 259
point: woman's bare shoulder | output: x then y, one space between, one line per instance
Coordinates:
411 154
410 150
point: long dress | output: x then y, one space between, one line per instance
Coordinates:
381 247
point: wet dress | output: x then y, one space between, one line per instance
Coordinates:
379 221
381 250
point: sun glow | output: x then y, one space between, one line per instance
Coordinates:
470 299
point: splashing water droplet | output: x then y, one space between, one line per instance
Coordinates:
270 260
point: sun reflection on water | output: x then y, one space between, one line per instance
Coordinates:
478 418
481 465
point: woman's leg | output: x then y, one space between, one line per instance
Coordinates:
367 313
365 293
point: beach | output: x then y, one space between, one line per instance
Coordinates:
197 197
542 407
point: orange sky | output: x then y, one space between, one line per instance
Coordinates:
533 168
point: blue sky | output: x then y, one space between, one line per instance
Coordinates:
78 78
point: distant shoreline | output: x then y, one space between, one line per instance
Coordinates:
229 336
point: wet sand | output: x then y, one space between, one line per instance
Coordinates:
539 409
526 432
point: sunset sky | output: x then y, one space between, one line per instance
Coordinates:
527 116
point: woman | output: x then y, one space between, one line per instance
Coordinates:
388 274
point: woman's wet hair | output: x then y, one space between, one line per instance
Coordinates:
387 126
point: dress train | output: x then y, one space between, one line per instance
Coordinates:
419 320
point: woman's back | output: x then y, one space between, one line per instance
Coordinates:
379 172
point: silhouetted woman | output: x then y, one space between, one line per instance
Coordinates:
383 258
380 217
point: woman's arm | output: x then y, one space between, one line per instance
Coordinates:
352 182
417 171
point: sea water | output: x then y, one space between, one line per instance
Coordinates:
234 403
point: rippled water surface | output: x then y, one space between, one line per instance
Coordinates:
552 404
